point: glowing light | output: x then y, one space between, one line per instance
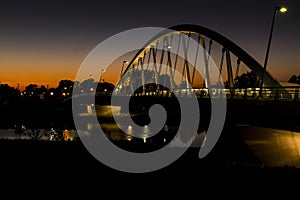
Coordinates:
129 130
66 135
283 9
144 140
166 128
145 130
51 93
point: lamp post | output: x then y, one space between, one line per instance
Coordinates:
102 71
124 62
283 10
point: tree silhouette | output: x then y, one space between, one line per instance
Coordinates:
294 79
105 87
65 88
247 80
8 93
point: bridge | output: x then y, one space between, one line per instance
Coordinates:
188 61
204 58
191 59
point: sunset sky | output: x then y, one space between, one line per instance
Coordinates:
43 42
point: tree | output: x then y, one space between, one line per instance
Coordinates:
105 87
31 89
294 79
8 93
88 85
65 88
247 80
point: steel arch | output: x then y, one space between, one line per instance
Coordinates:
249 61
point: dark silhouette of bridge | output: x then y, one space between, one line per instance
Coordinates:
205 58
192 50
188 61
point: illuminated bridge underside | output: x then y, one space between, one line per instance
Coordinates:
227 44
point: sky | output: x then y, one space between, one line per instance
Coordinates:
43 42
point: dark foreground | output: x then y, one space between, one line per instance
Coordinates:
41 169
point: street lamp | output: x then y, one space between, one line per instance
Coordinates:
124 62
102 71
282 10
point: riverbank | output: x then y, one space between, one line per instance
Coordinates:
35 168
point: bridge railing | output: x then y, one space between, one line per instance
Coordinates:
267 93
289 93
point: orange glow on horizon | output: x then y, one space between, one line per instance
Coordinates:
43 69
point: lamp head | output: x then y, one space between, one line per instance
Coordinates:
281 9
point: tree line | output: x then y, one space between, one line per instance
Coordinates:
294 79
63 91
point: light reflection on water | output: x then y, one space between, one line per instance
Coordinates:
273 147
115 133
9 134
70 134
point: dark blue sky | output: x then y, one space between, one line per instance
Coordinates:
37 36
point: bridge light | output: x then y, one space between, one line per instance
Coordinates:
283 9
102 71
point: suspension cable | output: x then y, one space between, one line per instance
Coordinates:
148 62
237 68
162 55
196 58
206 58
169 61
186 65
221 64
177 52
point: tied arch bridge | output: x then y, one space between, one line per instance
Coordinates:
211 66
187 61
229 58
